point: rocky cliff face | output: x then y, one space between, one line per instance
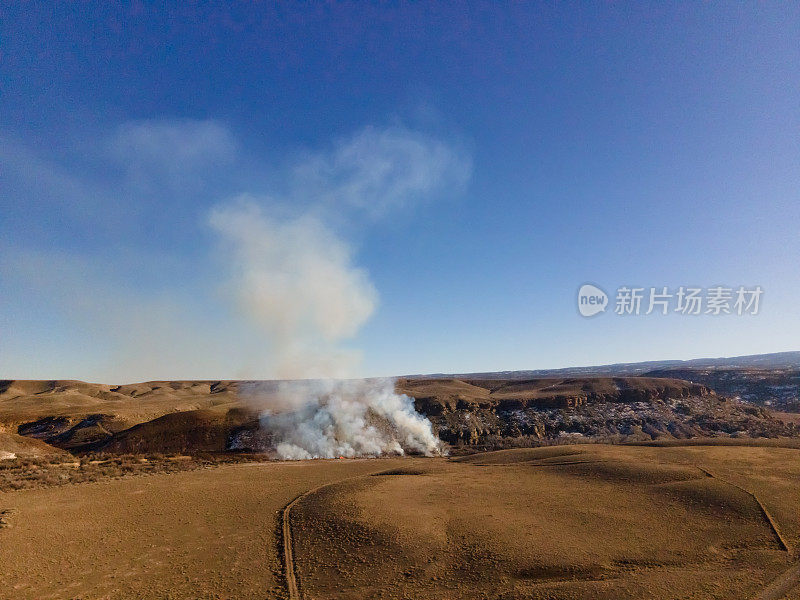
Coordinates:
778 389
435 396
498 413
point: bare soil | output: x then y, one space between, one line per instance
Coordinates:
566 522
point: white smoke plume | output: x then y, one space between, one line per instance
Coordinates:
329 418
296 280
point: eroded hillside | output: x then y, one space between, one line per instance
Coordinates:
218 416
492 413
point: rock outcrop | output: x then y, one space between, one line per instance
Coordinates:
494 413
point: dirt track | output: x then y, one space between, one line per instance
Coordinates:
781 586
786 581
288 551
287 542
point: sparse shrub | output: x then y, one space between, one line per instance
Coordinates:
23 473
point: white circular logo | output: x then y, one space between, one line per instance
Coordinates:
591 300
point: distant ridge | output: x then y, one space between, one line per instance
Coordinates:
776 360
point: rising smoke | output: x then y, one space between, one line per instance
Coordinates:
295 279
332 418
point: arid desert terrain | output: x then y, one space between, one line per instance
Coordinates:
586 521
174 490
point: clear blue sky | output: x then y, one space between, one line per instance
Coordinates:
539 146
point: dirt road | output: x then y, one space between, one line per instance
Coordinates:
287 542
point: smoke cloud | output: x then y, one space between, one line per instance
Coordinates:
329 418
295 279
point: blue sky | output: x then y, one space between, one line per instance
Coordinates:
214 192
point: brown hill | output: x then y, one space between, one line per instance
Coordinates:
18 446
570 522
23 401
205 430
